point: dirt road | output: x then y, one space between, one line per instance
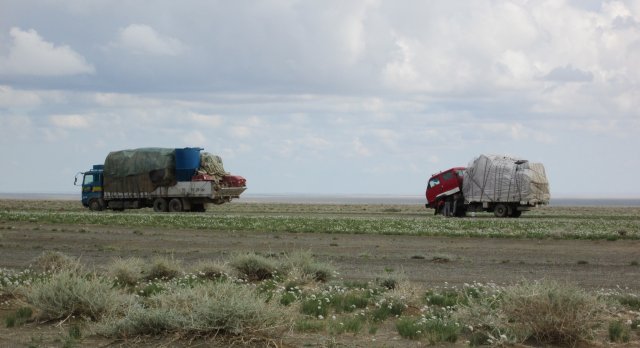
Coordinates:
431 261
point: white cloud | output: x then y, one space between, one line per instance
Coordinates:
143 39
10 98
240 132
194 138
401 72
29 54
359 149
69 121
210 121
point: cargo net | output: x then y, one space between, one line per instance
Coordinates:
139 170
211 165
491 178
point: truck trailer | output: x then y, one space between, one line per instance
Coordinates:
166 179
504 185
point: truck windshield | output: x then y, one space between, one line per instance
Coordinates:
88 179
433 182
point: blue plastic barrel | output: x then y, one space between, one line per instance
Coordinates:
187 162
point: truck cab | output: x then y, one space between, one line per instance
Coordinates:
92 191
443 185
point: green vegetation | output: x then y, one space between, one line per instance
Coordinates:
222 301
556 223
20 317
618 331
545 312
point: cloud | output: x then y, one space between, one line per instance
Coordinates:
144 40
211 121
194 138
359 149
241 132
10 98
69 121
29 54
569 74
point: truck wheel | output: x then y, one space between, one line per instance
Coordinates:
516 213
160 205
500 210
175 205
95 205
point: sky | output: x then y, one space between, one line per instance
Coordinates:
324 97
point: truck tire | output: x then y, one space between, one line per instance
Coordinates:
516 213
95 205
175 205
501 210
160 205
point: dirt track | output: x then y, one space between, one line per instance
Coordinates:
431 261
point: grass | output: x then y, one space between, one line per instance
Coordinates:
556 223
191 306
19 317
546 312
618 332
254 267
69 293
202 310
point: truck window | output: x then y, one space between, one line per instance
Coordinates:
433 182
460 173
88 180
447 176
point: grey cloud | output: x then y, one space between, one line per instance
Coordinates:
569 74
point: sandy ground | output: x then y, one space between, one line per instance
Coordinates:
432 261
427 261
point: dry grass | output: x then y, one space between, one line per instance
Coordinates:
202 311
127 272
68 293
55 261
545 312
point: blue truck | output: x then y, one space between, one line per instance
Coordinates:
165 179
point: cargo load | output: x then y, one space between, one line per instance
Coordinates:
491 178
504 185
167 179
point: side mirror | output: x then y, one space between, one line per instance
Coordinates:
75 181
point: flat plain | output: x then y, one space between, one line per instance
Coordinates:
594 248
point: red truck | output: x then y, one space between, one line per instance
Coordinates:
504 185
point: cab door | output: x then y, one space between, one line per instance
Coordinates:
91 187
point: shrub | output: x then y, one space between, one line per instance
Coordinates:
348 302
387 307
163 268
315 307
303 262
447 298
126 272
254 267
409 328
204 310
435 330
550 313
352 325
389 283
21 316
67 293
618 332
441 330
306 325
212 270
55 261
631 301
